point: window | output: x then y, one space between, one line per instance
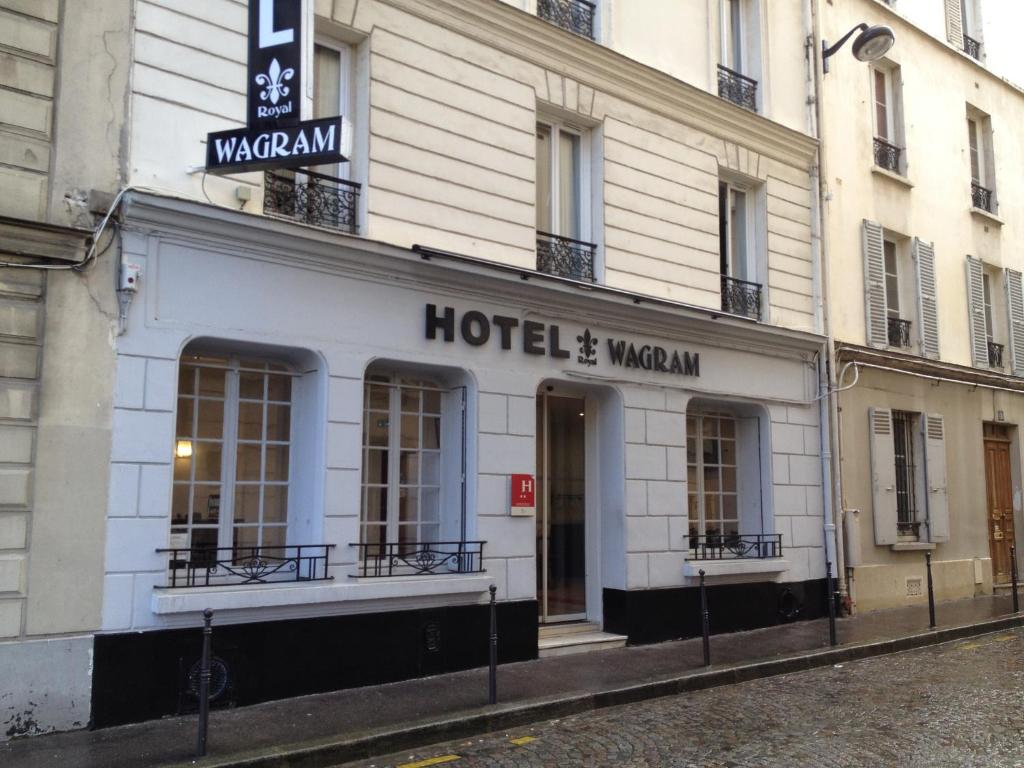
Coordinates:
994 307
739 67
738 245
711 462
904 433
563 207
885 85
579 16
979 147
232 452
898 327
971 27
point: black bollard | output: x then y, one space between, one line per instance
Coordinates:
831 605
1013 577
204 683
492 683
705 621
931 591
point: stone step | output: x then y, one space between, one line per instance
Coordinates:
579 642
567 628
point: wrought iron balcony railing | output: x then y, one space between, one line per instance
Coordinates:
741 297
312 198
737 88
887 155
426 558
565 257
982 198
899 332
995 355
573 15
972 48
728 546
223 566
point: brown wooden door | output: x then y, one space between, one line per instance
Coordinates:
1000 507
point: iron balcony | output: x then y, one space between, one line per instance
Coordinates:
565 257
312 198
223 566
741 297
737 88
729 546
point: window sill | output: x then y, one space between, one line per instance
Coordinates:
735 567
913 546
987 216
241 597
897 177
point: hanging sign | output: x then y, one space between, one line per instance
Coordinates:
275 136
524 495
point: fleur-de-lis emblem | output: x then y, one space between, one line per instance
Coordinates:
273 82
588 344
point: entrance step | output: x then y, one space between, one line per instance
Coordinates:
581 637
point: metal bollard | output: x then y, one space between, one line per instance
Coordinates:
1013 577
705 619
931 591
204 683
831 605
492 683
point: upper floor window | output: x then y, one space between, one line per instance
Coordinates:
739 67
982 163
888 124
971 28
564 244
738 228
579 16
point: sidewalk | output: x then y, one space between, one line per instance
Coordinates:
329 728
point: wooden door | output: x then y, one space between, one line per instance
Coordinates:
1000 507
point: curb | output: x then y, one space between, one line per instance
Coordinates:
361 746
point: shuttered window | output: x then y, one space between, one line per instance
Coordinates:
935 478
976 311
954 23
927 304
1015 313
875 302
883 476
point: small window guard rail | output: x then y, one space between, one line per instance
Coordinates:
572 15
981 197
728 546
737 88
565 257
972 48
741 297
899 332
887 155
995 355
423 559
312 198
904 528
228 566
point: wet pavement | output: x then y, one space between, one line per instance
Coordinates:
379 711
957 704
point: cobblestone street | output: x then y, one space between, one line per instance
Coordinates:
958 704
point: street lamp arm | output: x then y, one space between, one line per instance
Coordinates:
826 52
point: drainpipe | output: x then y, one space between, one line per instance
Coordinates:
827 403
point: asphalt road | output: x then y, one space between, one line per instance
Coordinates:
959 704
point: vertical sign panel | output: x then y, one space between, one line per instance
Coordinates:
275 62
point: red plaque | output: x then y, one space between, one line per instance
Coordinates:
524 493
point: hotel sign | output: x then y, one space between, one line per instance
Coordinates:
275 136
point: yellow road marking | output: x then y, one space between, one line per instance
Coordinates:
968 646
431 761
1004 638
522 740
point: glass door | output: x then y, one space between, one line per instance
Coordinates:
561 512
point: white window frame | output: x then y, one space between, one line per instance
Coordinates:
889 102
739 60
700 491
346 94
886 244
986 287
555 128
753 261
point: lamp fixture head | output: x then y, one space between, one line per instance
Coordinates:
871 44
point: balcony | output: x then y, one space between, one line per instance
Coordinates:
572 15
972 48
995 355
424 559
737 88
982 198
312 198
565 257
741 297
229 566
887 155
899 332
717 546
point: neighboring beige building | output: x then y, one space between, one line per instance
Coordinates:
63 72
924 238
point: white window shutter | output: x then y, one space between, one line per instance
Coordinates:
954 24
1015 313
935 477
883 475
875 315
927 308
976 311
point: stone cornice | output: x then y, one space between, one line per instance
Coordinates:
37 240
274 240
523 35
921 366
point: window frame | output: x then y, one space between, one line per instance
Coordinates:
907 424
555 128
695 433
753 261
733 35
888 103
887 244
346 96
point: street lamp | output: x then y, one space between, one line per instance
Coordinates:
871 44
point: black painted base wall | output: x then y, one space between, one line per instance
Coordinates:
138 676
654 615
